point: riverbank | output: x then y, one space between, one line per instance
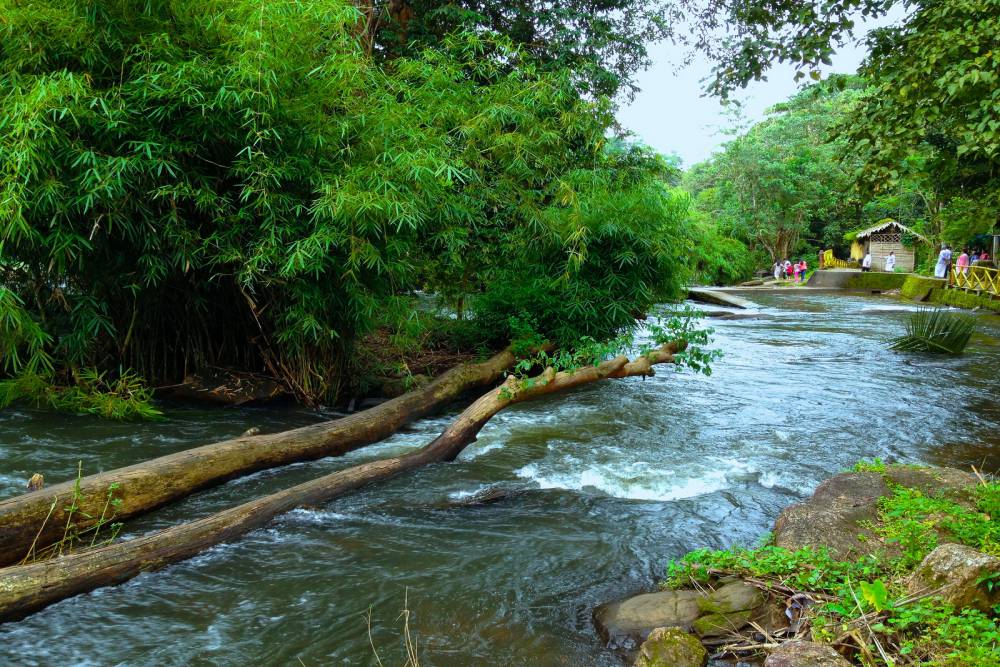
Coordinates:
884 565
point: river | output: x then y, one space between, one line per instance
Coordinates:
617 479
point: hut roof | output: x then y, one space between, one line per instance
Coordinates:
881 226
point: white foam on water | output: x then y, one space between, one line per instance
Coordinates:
462 495
317 517
620 482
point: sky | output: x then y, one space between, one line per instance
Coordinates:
671 113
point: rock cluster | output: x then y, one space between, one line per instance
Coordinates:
709 614
671 627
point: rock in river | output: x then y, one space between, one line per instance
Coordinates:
837 514
671 647
628 622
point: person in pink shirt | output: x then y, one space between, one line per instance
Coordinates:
803 269
963 262
795 270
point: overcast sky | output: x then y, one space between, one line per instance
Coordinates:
671 114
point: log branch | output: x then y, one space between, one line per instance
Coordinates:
28 588
150 484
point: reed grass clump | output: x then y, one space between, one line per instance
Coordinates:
937 330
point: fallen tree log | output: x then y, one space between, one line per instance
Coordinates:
39 518
28 588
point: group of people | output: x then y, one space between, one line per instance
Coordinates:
785 269
962 264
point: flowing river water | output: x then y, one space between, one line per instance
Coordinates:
615 480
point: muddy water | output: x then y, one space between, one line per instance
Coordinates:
615 480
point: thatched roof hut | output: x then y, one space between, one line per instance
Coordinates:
885 237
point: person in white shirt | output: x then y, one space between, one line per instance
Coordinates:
866 263
890 262
943 263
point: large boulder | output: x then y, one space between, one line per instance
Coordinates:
837 514
831 517
671 647
954 571
805 654
629 622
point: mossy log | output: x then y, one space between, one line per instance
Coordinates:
28 588
141 487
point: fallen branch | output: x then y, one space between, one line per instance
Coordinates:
30 519
27 588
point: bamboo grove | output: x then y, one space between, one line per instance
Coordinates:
252 185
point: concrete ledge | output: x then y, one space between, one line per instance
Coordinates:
717 298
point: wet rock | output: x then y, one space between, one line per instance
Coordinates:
956 485
628 622
953 572
805 654
731 597
671 647
719 625
491 495
831 517
250 432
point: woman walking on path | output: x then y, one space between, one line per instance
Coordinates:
890 262
944 259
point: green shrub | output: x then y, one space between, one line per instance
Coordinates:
123 397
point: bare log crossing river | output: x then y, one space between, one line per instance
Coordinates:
611 481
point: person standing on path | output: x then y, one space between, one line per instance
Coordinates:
866 263
944 260
890 262
963 262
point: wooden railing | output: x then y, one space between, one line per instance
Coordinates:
979 278
831 262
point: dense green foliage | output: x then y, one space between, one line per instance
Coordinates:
603 44
123 397
241 184
919 142
780 186
866 599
